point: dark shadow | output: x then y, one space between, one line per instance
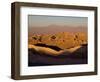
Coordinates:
80 53
77 57
49 46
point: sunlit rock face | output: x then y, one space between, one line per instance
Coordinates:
62 40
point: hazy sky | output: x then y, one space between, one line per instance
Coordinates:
40 21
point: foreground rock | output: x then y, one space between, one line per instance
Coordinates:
78 56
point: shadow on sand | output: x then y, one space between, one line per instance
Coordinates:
79 56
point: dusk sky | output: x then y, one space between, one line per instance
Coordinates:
40 21
40 24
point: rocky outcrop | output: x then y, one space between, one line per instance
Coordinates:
62 40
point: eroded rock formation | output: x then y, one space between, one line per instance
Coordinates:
62 40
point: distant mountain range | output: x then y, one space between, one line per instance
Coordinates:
56 28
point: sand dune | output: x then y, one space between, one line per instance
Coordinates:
49 51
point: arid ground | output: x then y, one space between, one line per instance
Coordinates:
57 40
62 48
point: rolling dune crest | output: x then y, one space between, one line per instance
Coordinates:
52 52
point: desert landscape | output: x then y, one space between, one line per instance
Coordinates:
57 45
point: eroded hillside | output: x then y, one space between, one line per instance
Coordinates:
62 40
